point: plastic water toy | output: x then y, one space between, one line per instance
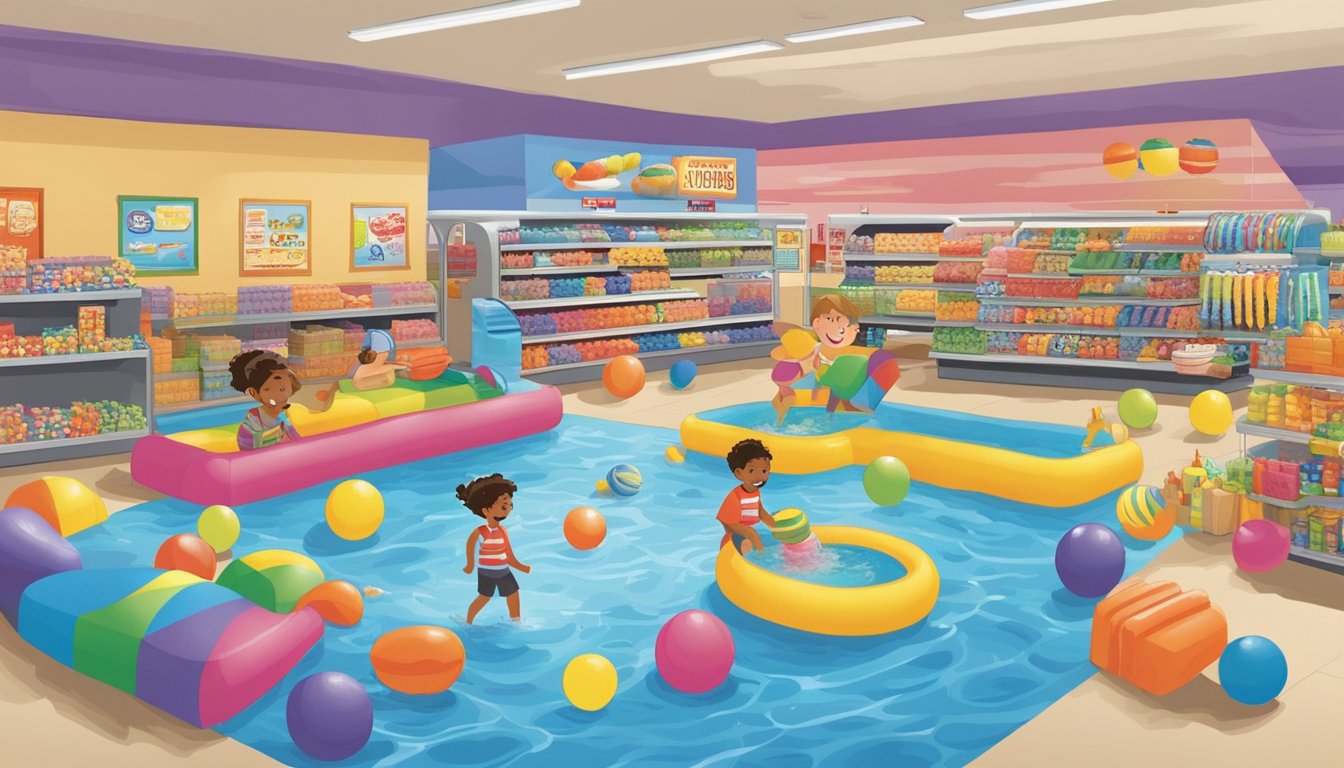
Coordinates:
273 578
1260 546
337 602
585 528
354 510
589 682
1097 424
886 481
1143 514
1155 636
794 533
1137 408
694 651
850 611
623 376
218 526
185 552
674 455
1253 670
682 374
1090 560
1211 413
329 716
624 480
418 660
69 505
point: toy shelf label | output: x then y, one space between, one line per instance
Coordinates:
599 203
788 249
714 177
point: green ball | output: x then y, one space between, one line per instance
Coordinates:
1138 408
886 481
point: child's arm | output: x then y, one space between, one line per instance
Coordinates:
767 518
513 561
746 532
471 550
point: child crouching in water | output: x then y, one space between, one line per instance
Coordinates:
491 497
742 509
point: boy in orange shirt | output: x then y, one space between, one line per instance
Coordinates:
749 461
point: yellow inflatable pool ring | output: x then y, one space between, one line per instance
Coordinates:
875 609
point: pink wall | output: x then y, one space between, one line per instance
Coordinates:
1022 172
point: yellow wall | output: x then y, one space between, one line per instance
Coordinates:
84 163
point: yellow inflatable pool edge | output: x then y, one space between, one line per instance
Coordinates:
1047 482
876 609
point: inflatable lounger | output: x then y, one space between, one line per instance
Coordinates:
192 648
361 432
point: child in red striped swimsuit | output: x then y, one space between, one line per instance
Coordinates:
491 497
749 461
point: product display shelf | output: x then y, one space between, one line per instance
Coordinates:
81 297
473 238
232 321
865 230
1162 333
1087 301
78 359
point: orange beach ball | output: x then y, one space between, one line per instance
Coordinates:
418 660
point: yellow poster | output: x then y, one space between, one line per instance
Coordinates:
714 177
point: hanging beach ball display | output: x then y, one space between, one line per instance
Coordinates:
1199 156
1159 157
1121 160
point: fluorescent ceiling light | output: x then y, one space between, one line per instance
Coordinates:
881 25
481 15
672 59
1024 6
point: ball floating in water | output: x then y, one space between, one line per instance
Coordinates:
1138 408
623 376
694 652
1199 156
1159 157
1121 160
1253 670
337 602
1211 413
354 510
1143 513
185 552
66 504
1260 546
589 682
886 481
418 660
329 716
791 526
624 480
1090 560
219 527
585 528
275 579
682 374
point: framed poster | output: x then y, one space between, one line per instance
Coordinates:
378 237
21 222
788 249
275 237
158 234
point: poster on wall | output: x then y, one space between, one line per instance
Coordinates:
275 237
20 223
788 249
378 236
158 234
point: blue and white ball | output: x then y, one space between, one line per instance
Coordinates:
624 480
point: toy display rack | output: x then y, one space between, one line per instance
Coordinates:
913 325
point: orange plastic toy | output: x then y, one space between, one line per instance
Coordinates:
337 602
585 528
186 552
418 660
1155 636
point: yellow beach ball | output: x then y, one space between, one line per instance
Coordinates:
1159 157
590 682
1211 413
354 510
218 526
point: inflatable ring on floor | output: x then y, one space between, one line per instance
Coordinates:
850 611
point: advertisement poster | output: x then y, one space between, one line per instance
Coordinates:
274 237
378 236
158 234
20 223
788 249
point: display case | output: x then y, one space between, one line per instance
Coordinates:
891 266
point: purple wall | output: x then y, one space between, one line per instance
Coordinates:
1295 113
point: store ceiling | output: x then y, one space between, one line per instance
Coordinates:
949 60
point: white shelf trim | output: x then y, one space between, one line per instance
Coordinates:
92 357
619 298
635 330
665 245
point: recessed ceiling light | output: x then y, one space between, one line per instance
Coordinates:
880 25
672 59
481 15
1024 6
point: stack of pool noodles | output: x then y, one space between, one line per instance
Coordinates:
795 534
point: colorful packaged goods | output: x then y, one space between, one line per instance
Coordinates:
265 300
403 294
415 330
1259 232
60 341
860 244
511 260
901 273
316 341
1258 301
647 280
215 381
218 349
160 300
956 307
13 270
957 272
860 273
13 426
917 302
567 259
638 257
175 388
316 298
79 273
461 259
907 242
92 327
962 247
205 305
752 257
160 354
962 341
358 296
1039 288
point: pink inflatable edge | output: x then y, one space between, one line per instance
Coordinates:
199 476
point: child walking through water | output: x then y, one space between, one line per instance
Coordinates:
491 497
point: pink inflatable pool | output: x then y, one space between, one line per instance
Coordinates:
195 474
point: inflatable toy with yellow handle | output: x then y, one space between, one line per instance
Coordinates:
820 375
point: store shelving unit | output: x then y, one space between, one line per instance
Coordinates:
59 380
240 321
916 325
481 230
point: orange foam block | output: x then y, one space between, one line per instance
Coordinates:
1155 636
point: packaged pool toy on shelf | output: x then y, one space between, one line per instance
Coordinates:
588 287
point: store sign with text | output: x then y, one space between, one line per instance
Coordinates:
701 206
599 203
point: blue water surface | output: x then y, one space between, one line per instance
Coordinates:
1003 642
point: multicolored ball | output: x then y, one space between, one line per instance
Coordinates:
1159 157
624 480
1121 160
1199 156
1143 514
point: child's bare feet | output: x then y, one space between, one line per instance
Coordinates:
782 405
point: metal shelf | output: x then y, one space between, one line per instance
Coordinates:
92 357
912 319
684 351
963 287
1160 365
298 317
678 272
1088 301
1325 502
1166 333
77 296
1275 433
1040 275
1303 379
957 324
677 245
587 269
1154 248
62 446
965 259
1320 560
892 258
649 328
619 298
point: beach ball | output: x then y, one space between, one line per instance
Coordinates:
1121 160
1253 670
589 682
1137 408
886 481
1260 546
275 579
1143 514
694 652
185 552
624 480
354 510
66 504
1090 560
1159 157
585 528
329 716
1211 413
1199 156
219 527
418 660
337 602
682 374
623 376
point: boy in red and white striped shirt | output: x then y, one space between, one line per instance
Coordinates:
491 497
749 461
